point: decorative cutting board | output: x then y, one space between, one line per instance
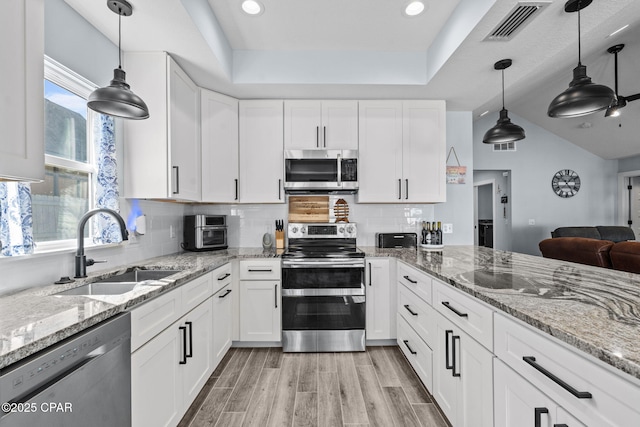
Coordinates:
308 208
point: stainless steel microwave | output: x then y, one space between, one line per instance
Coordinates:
329 170
204 232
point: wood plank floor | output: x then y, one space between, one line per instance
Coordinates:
266 387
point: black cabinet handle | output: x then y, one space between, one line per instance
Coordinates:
236 180
409 310
224 276
318 136
260 270
399 189
225 294
579 394
453 355
324 136
446 304
177 168
406 343
184 345
560 425
280 189
369 274
447 365
409 279
406 185
190 324
537 413
275 293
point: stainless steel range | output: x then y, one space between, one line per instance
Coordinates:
323 292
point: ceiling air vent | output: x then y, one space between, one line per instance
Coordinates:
519 16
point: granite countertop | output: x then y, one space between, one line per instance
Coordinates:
593 309
36 318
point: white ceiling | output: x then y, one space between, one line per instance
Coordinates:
367 49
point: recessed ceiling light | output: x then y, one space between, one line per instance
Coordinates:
617 31
252 7
414 8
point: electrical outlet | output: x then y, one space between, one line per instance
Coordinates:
447 228
172 232
532 221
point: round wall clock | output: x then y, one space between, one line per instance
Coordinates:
565 183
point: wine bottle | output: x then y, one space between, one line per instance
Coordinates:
439 233
434 237
429 234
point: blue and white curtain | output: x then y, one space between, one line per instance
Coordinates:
105 228
16 227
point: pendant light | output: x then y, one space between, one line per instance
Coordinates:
614 109
504 130
583 96
117 99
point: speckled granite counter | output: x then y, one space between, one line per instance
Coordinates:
593 309
36 318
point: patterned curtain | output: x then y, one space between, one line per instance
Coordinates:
16 227
105 228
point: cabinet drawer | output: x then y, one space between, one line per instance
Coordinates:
418 314
420 283
196 291
221 277
416 351
260 269
151 318
614 397
470 314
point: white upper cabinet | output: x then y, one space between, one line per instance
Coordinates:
321 124
261 151
162 153
402 152
219 132
22 89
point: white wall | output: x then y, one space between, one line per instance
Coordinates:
532 166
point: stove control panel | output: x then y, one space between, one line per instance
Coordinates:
322 231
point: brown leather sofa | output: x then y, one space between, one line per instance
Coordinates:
582 250
625 256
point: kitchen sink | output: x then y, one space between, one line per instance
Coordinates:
122 283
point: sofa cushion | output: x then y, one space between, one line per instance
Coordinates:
616 233
578 249
588 232
625 256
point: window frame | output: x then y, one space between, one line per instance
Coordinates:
73 82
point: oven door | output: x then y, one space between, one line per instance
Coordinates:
316 274
211 237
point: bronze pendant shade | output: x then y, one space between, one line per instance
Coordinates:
117 99
504 130
582 97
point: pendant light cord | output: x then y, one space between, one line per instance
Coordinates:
615 63
579 42
119 38
503 88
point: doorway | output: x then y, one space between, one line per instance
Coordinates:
629 200
483 213
492 209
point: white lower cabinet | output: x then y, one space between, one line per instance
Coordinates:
518 403
169 371
417 352
222 303
462 376
381 296
260 300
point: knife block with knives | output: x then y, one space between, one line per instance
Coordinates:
280 234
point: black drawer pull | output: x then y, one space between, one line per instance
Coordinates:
453 355
447 365
369 274
446 304
225 294
579 394
406 343
260 270
409 280
184 345
409 310
224 276
190 354
560 425
537 413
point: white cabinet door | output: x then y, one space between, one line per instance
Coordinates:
423 151
380 306
222 303
462 377
155 379
302 124
22 89
199 361
260 310
219 140
339 125
380 152
162 153
261 151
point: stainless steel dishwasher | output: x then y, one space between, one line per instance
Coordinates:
84 380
